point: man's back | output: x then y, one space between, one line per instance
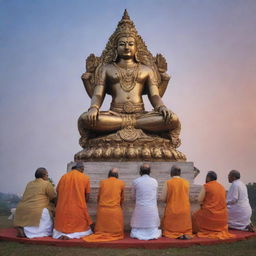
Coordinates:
215 197
145 190
73 186
71 210
178 195
238 193
110 194
37 196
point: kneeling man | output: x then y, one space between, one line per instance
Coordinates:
176 222
72 219
212 219
33 217
109 221
239 209
145 218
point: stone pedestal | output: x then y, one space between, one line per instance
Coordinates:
128 171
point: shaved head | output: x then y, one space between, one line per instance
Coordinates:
113 173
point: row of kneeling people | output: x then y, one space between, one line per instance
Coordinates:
33 216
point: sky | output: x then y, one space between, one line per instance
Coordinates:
210 48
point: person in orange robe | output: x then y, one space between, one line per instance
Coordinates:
109 222
176 222
72 219
211 220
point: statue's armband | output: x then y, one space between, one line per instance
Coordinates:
153 90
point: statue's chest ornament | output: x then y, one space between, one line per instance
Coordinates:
127 77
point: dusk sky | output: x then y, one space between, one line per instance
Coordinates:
210 48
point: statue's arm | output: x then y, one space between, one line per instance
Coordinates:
97 98
155 99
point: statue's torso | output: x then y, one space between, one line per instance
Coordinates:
133 92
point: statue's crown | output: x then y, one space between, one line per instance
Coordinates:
125 27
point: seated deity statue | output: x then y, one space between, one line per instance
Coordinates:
127 70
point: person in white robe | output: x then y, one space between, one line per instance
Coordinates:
145 218
239 209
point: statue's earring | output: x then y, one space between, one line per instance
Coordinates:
115 55
136 57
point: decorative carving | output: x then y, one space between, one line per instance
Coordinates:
127 77
129 134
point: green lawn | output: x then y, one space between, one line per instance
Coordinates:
243 248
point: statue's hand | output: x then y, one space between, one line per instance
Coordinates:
92 116
86 76
166 113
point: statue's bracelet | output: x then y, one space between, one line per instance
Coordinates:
93 106
159 108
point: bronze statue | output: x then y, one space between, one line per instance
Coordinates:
126 70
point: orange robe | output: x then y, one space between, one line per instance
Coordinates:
177 218
71 210
109 222
212 219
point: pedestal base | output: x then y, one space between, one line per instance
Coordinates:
128 171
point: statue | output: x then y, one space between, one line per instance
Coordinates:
126 70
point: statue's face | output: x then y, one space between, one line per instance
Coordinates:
126 47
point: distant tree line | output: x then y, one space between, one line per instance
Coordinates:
251 187
7 202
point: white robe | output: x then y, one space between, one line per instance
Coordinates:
239 209
76 235
44 229
145 218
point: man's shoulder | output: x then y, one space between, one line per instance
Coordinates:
145 177
121 182
136 180
238 183
74 173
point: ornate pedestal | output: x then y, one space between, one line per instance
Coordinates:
128 171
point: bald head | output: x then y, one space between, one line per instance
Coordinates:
233 175
113 173
145 169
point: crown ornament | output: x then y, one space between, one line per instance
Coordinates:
126 28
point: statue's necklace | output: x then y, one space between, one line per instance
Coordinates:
127 77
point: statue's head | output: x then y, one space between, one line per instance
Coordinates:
126 35
126 47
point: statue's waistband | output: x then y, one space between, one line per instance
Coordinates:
127 107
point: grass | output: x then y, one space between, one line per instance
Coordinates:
242 248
